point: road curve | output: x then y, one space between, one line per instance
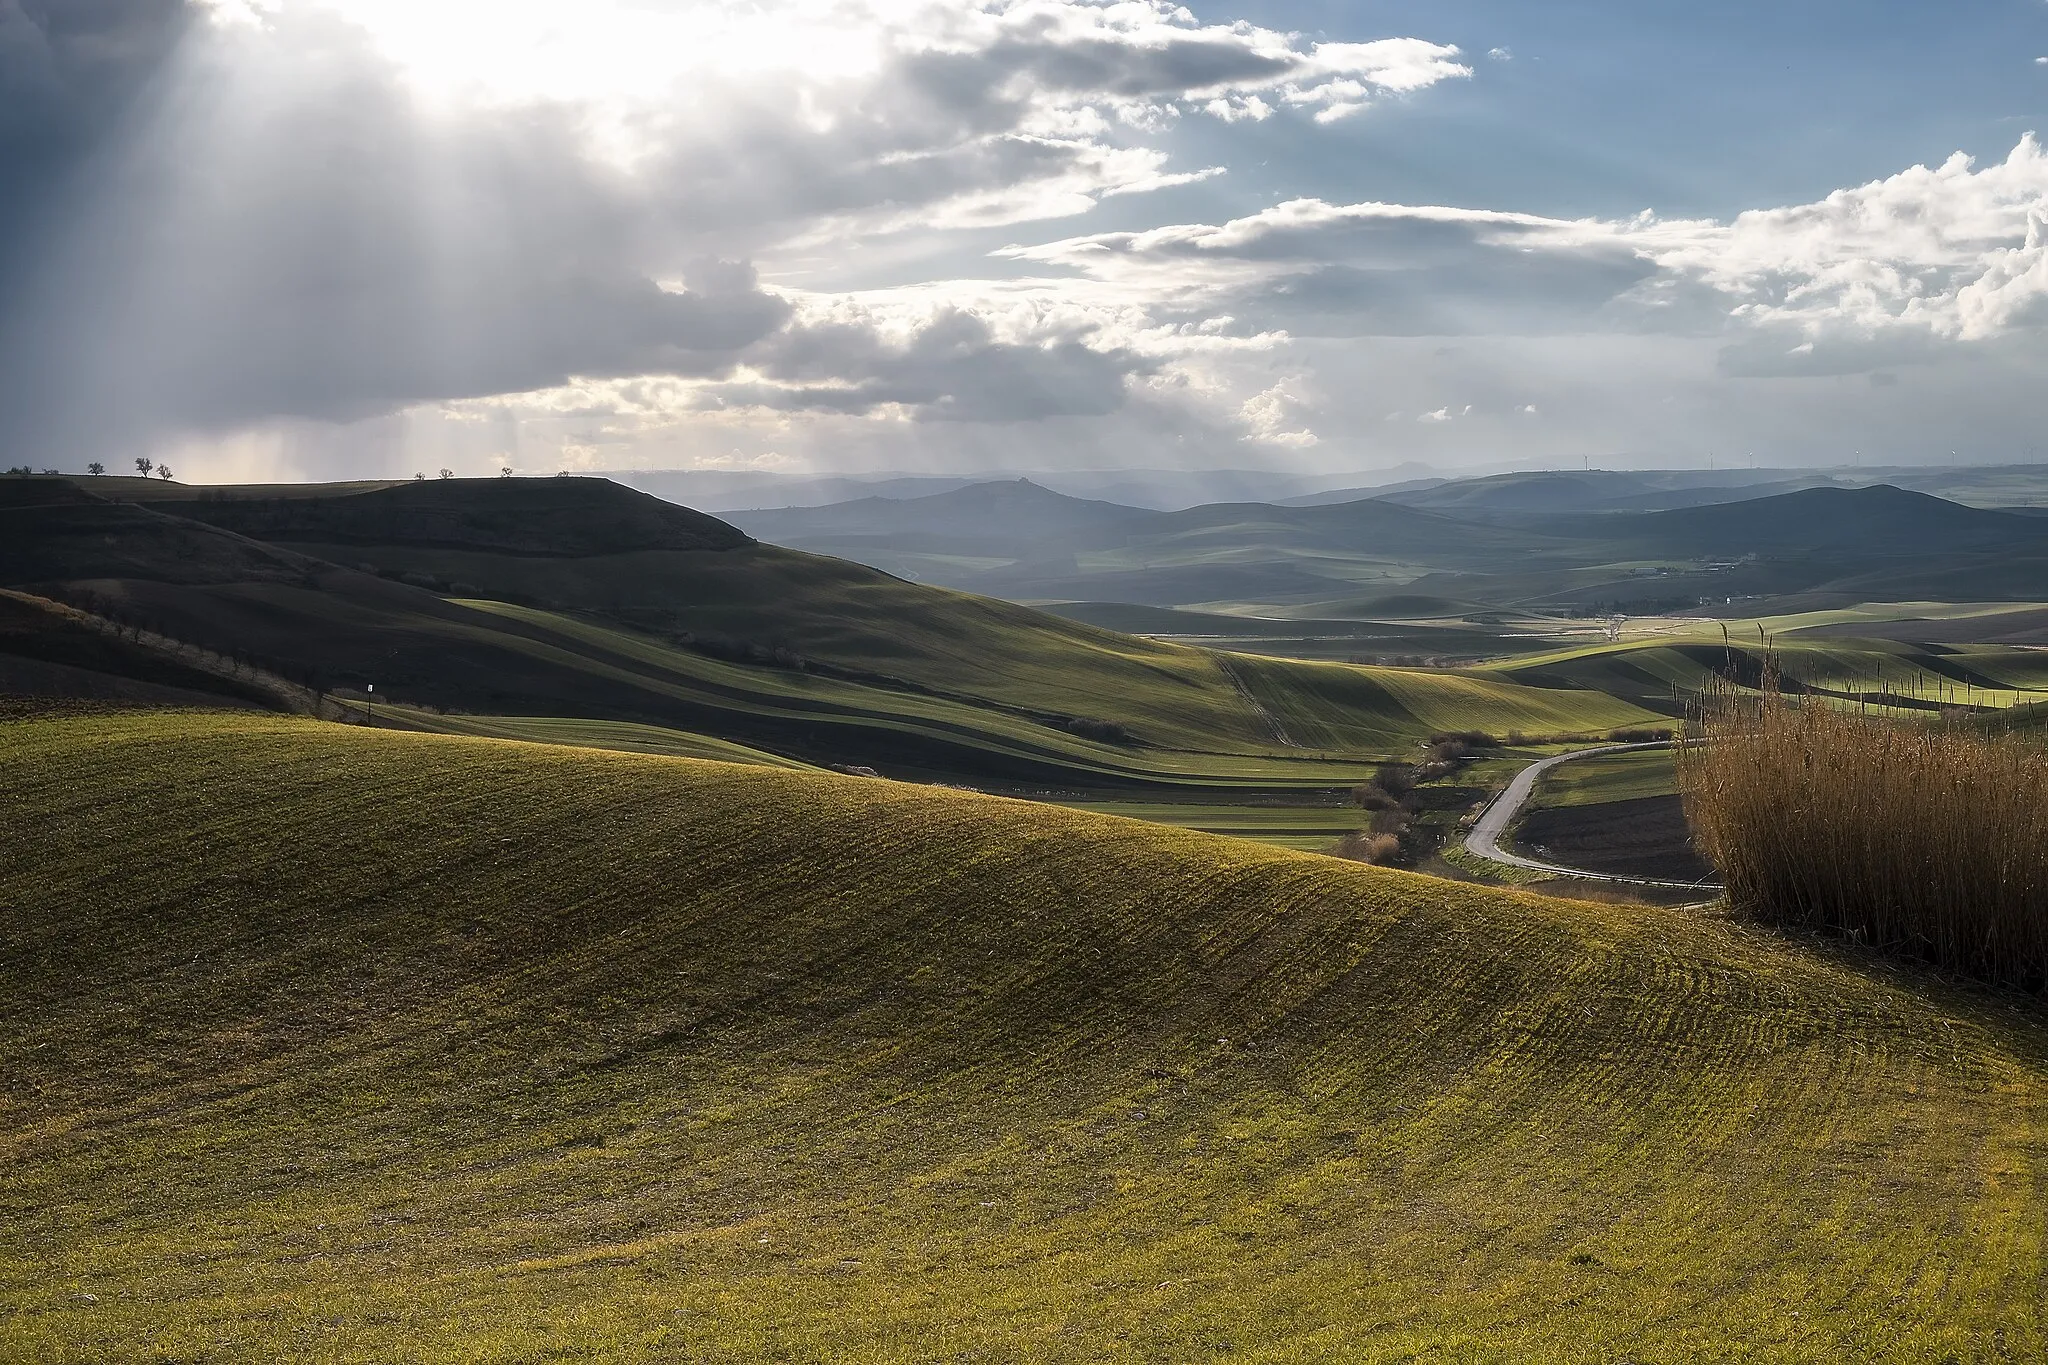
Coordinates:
1493 822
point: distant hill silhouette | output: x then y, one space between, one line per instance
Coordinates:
1016 513
559 516
1880 520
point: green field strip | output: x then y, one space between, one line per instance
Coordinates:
1606 778
1311 828
588 734
1336 705
1976 675
839 613
792 695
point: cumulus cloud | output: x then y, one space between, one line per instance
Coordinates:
953 367
1955 252
1870 274
1368 269
1278 417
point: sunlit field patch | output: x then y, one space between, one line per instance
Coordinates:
343 1045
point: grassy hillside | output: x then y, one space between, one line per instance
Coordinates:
46 651
548 518
1880 520
592 547
617 1056
1332 706
1354 641
1016 516
560 600
1662 674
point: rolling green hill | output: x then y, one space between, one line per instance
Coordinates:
564 600
551 519
1661 674
343 1045
1015 516
1862 522
1020 541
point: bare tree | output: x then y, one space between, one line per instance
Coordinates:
419 478
504 471
95 468
163 471
143 465
447 474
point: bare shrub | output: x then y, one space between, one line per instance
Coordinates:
1372 796
1395 779
1393 821
1639 736
1365 847
1919 839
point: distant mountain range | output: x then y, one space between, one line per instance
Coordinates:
721 490
1512 539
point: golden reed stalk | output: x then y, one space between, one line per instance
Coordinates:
1921 839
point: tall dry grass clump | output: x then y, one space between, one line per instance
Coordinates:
1916 838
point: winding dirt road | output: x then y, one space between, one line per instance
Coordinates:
1493 823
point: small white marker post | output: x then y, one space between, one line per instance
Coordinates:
370 691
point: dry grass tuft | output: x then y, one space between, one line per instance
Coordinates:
1368 847
1916 838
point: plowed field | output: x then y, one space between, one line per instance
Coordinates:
326 1044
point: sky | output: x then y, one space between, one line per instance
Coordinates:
281 239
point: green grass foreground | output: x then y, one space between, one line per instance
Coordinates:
329 1045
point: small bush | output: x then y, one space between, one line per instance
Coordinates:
1363 847
1394 822
1101 731
1639 736
1372 796
1395 779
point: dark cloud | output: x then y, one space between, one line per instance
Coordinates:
270 221
1490 291
306 242
69 71
1318 271
1048 60
268 224
951 370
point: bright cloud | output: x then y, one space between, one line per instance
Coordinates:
1954 253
